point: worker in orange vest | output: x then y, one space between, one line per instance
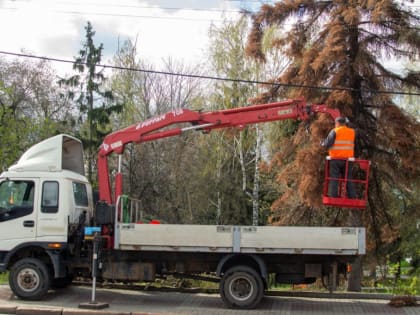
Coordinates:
340 144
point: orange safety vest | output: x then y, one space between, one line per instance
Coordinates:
343 146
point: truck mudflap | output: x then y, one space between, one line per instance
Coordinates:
3 265
57 262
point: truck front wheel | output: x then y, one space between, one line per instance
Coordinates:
241 287
29 279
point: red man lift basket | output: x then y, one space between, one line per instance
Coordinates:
359 178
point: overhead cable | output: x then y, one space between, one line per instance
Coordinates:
205 77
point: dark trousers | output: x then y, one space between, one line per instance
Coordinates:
337 170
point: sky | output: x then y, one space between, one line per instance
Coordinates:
161 28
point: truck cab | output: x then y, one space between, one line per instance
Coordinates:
37 213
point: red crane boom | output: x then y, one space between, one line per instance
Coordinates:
159 127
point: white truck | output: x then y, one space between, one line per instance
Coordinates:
47 210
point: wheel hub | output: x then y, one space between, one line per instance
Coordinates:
28 280
241 288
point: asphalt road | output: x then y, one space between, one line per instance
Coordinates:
66 302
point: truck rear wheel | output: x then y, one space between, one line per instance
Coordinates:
29 279
241 287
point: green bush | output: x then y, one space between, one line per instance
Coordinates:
414 287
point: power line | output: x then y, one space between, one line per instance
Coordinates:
145 7
102 5
126 15
131 14
204 77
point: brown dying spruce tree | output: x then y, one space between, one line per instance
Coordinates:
340 44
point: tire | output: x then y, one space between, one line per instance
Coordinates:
29 279
241 287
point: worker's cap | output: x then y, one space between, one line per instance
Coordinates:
340 120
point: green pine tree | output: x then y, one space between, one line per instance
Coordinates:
95 102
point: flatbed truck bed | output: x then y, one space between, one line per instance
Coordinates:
241 239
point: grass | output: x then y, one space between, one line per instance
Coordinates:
408 286
4 278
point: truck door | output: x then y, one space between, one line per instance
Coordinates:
61 204
52 220
18 217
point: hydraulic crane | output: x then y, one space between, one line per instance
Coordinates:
50 230
166 125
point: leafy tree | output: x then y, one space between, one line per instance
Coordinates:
30 107
342 44
233 158
134 88
161 173
241 149
95 102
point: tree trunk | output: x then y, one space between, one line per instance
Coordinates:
219 198
256 189
219 209
242 161
354 283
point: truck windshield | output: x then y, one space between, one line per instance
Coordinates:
16 199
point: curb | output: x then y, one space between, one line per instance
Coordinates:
5 309
327 295
34 310
51 310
